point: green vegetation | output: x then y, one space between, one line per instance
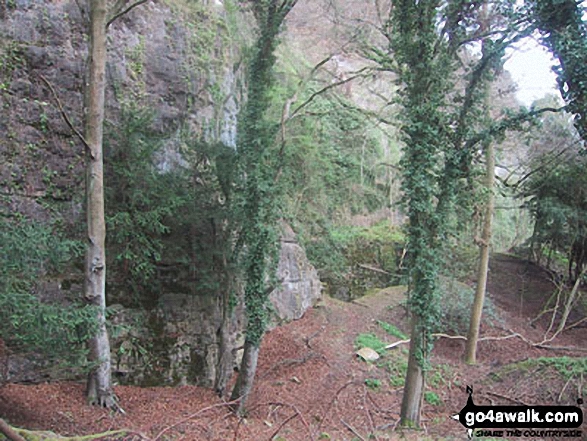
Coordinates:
370 341
567 367
439 375
55 330
397 367
141 202
457 299
373 383
432 398
392 330
559 206
354 260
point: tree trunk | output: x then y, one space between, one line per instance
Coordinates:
484 246
414 387
225 357
246 376
485 242
99 390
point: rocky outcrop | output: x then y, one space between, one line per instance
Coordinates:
300 285
178 342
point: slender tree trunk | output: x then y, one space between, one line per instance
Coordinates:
99 390
244 382
415 379
485 242
484 248
225 357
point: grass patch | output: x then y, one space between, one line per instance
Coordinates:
568 367
439 375
392 330
373 384
432 398
396 365
370 341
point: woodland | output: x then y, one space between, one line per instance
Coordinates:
287 219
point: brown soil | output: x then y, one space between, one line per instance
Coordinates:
311 385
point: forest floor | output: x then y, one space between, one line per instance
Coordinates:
311 385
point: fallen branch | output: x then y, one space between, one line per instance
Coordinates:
33 434
567 309
294 361
539 345
352 429
373 268
397 343
514 400
368 412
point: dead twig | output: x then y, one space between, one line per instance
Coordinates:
283 423
119 12
293 361
514 400
66 117
374 269
560 396
368 412
352 429
334 398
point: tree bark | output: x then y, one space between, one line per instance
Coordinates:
485 242
99 389
225 357
414 387
484 248
244 382
9 432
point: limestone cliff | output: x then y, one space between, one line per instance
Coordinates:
183 60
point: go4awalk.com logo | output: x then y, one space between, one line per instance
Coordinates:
521 421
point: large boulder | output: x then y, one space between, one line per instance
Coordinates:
300 286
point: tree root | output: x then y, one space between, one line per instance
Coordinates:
17 434
9 432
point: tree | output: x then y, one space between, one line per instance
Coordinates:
440 126
485 240
564 33
99 390
258 166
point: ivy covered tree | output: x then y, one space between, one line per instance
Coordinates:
258 165
564 33
442 125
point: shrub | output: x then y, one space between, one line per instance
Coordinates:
56 332
457 301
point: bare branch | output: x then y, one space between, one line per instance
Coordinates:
360 73
119 10
66 117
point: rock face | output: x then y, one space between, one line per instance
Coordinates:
157 58
300 287
178 341
183 60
